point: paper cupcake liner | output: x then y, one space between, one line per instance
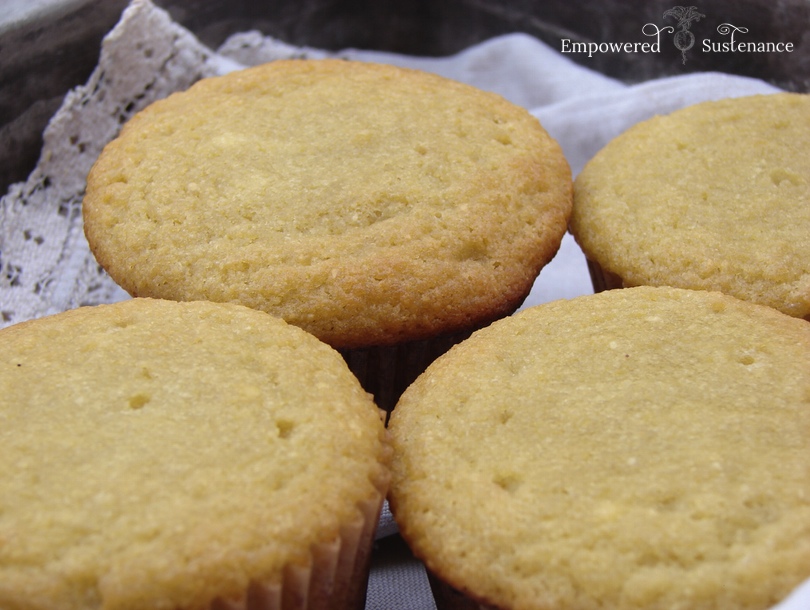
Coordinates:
336 575
603 280
386 371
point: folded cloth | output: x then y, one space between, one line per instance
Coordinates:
47 266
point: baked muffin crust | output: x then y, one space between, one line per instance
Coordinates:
165 455
637 449
715 196
366 203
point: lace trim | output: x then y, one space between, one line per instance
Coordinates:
45 263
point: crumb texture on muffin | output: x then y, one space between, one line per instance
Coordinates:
164 455
366 203
645 448
715 196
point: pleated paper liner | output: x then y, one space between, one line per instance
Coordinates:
336 576
386 371
601 279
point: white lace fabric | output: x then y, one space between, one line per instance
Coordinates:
46 265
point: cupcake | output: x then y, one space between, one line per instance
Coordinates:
183 456
376 207
715 196
643 448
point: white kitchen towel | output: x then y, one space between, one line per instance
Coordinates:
45 264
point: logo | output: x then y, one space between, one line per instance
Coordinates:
735 46
683 38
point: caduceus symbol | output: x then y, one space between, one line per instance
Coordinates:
684 39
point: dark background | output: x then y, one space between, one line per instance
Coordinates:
48 53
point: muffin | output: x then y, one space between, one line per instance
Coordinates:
715 196
371 205
646 448
183 456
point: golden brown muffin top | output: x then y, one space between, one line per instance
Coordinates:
368 204
160 454
645 448
715 196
